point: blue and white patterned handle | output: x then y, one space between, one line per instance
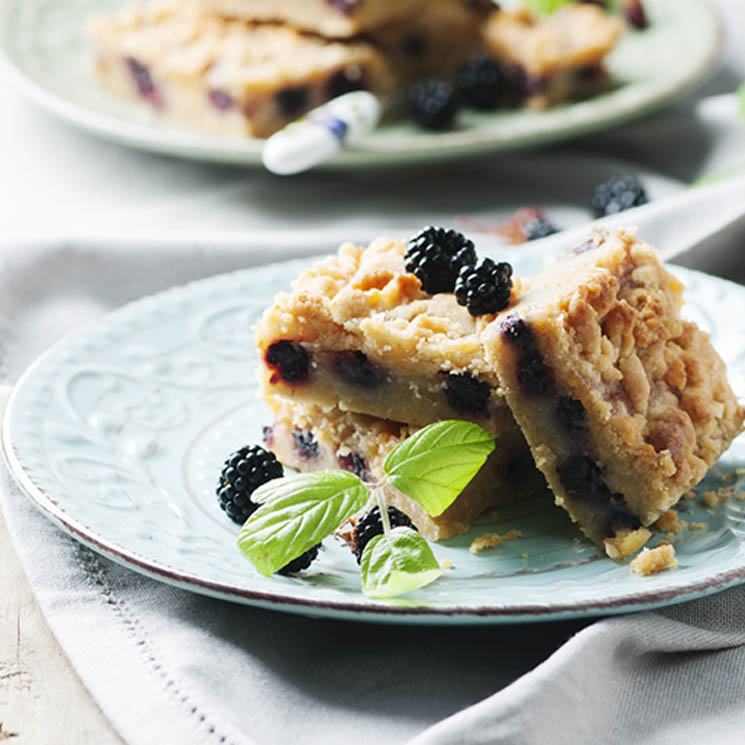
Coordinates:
321 133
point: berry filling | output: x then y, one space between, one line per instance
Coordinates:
583 481
356 369
466 394
354 463
344 6
290 360
293 101
144 82
345 81
221 100
571 416
532 375
305 444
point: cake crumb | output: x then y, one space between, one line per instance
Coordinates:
713 498
524 556
446 563
653 560
690 495
492 540
625 542
669 523
699 526
740 496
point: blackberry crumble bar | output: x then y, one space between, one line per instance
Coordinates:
359 332
625 404
553 58
228 77
330 18
309 438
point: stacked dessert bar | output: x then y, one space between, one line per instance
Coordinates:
590 381
249 67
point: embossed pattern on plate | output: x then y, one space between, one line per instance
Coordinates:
118 434
44 42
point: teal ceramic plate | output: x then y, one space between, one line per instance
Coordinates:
44 43
119 432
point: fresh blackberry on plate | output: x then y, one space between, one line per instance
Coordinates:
244 471
617 194
433 103
538 227
485 287
481 81
301 562
371 524
435 256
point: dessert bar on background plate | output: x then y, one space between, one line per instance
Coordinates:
141 490
332 19
649 69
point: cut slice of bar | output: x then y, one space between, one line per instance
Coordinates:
227 77
436 41
553 58
330 18
309 438
624 404
359 332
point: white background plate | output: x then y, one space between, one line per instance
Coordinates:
45 45
119 432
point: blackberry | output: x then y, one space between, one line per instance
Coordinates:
357 370
464 393
538 227
481 81
635 14
532 375
485 287
433 103
243 472
617 194
371 524
435 256
301 562
305 443
290 359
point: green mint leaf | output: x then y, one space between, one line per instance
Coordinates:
740 93
396 563
297 512
546 7
435 464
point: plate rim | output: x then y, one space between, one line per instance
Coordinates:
350 610
179 142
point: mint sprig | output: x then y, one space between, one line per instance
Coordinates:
296 513
397 562
435 464
432 467
545 7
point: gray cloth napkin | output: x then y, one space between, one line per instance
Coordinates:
169 666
